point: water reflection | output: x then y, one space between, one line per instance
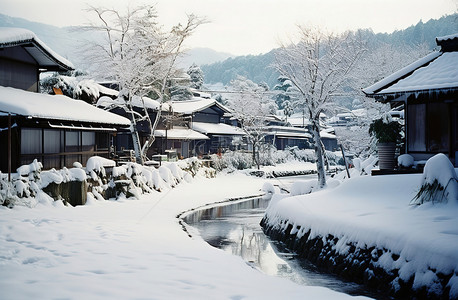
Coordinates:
235 228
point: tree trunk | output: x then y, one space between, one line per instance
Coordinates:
134 134
255 160
319 155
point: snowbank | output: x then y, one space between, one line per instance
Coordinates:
368 221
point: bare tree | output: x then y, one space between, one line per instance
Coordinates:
317 66
140 55
251 105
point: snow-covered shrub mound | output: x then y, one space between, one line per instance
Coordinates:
98 164
234 161
24 186
157 181
31 170
63 175
360 168
439 182
195 167
269 189
167 176
303 187
405 161
177 172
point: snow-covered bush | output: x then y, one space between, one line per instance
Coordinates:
269 157
405 161
360 168
303 187
30 185
233 161
439 182
193 167
23 187
269 189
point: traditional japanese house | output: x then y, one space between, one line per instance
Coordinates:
211 119
54 129
282 134
428 88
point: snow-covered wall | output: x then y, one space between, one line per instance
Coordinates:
101 179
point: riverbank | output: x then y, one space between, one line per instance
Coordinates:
131 249
364 229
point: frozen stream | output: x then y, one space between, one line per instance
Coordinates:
235 228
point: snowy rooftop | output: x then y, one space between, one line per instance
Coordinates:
54 107
149 103
45 56
220 128
401 73
288 132
441 73
447 37
195 105
298 121
327 135
180 134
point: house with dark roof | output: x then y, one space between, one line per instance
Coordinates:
54 129
210 118
428 89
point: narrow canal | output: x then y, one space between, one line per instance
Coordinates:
235 228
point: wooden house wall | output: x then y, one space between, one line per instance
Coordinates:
18 75
57 148
207 116
18 69
432 126
4 148
54 148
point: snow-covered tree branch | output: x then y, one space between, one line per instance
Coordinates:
317 66
138 54
251 105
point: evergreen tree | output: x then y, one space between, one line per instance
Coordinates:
197 76
282 88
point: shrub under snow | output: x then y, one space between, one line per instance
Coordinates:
439 182
405 161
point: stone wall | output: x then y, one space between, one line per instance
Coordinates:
358 264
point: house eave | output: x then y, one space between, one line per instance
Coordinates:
402 73
401 96
39 53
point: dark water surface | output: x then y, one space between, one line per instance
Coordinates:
235 228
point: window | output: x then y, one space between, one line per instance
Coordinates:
88 140
31 141
428 127
52 141
438 127
416 128
72 141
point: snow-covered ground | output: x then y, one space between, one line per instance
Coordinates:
132 249
375 211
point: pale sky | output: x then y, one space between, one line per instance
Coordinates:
242 27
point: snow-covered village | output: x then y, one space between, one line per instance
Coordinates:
228 150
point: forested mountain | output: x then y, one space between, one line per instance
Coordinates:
257 68
254 67
67 40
